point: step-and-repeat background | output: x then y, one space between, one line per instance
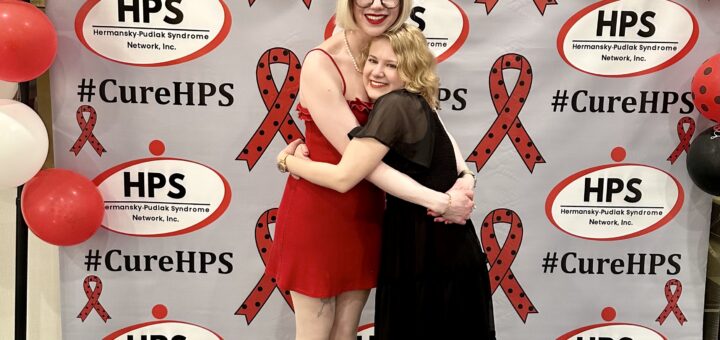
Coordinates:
176 109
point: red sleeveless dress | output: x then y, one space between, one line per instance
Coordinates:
327 242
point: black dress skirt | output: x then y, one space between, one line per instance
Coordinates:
433 280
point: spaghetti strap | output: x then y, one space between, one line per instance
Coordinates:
334 63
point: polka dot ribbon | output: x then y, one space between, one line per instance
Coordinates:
540 4
508 108
266 285
87 126
277 102
672 299
501 258
93 295
685 136
307 3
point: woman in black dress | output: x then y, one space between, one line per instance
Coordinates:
433 281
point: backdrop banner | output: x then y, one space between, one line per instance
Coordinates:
576 115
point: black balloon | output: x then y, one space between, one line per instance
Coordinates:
703 161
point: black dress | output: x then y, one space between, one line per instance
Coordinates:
433 281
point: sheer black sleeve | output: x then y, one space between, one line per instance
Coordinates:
400 120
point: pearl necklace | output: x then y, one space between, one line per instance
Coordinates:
347 48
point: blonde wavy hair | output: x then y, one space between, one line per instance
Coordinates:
344 14
416 64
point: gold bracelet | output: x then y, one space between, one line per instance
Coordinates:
464 172
282 164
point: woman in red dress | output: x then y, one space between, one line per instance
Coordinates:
327 244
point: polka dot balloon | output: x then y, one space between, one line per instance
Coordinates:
706 88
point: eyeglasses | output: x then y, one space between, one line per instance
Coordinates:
389 4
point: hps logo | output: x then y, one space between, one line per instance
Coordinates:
614 201
444 24
625 38
152 32
162 196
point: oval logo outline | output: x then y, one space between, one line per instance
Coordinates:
221 208
85 9
558 188
570 23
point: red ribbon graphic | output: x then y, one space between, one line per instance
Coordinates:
87 127
307 3
93 295
540 4
672 299
684 136
501 258
266 285
278 104
508 108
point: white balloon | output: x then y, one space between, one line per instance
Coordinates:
8 89
23 143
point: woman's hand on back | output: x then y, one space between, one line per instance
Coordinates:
289 149
461 204
302 152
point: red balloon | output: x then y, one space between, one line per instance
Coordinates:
62 207
28 41
706 88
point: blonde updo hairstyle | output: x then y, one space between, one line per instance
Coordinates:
415 62
344 14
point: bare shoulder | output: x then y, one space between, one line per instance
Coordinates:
328 51
317 60
321 62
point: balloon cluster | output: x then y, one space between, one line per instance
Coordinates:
61 207
703 159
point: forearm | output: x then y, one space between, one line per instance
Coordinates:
323 174
462 167
361 156
402 186
459 159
